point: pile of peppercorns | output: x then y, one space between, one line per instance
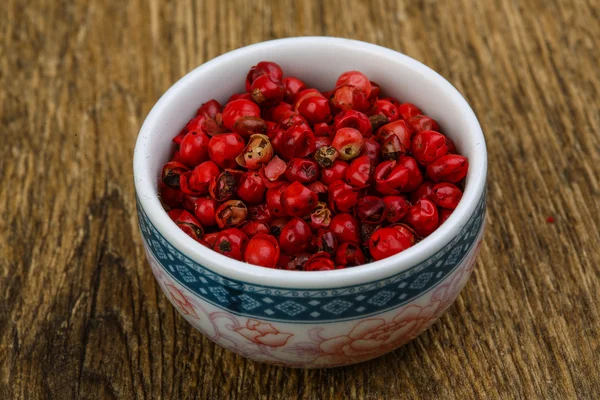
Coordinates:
287 177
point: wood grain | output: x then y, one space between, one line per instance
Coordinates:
80 313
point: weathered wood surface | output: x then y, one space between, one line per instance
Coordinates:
80 313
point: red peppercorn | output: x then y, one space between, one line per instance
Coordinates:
377 121
423 191
408 110
446 195
451 147
177 140
239 96
248 126
273 171
294 119
295 236
392 100
273 200
238 109
385 108
298 200
386 242
272 128
251 188
277 225
319 262
268 68
348 142
428 146
174 214
320 217
326 241
187 223
371 210
304 95
415 177
315 109
262 250
366 231
449 168
260 213
231 243
390 177
257 153
278 113
358 173
231 213
171 173
197 181
375 90
334 173
423 217
224 186
444 214
170 197
297 141
302 170
322 141
267 91
326 156
189 203
252 228
318 187
293 263
293 86
372 149
398 128
348 97
322 129
392 148
194 124
396 208
342 197
356 79
404 229
223 149
210 239
193 149
345 227
349 254
353 119
205 209
420 123
210 109
176 156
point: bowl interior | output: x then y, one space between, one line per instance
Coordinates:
317 61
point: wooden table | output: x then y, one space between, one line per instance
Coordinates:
80 313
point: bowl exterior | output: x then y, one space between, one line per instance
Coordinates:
314 328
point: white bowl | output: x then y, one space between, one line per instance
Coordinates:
317 319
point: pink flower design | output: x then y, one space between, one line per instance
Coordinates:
181 301
368 339
263 333
373 337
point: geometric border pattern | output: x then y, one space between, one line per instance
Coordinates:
301 305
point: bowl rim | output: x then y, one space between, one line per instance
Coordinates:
241 271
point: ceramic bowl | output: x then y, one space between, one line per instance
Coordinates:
312 319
